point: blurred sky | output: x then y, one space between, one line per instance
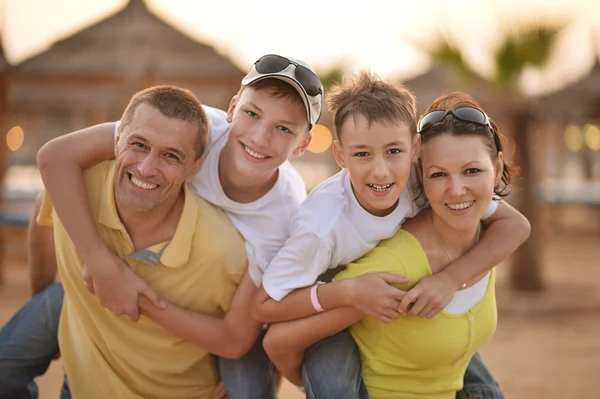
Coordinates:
383 35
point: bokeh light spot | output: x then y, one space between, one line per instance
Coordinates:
14 138
321 139
592 137
573 138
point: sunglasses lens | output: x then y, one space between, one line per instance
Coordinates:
431 119
308 80
271 64
469 114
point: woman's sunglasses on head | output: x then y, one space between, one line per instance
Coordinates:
465 114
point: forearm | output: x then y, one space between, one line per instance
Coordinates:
297 304
503 235
286 342
41 256
218 336
61 163
297 335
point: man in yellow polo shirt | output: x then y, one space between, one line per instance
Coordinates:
186 249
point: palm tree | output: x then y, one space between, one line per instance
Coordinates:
531 46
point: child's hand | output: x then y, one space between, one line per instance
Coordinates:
220 392
429 297
373 295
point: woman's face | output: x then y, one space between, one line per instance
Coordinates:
459 175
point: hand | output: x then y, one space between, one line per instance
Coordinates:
220 392
430 296
118 287
373 295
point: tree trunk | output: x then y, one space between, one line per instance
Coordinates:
526 271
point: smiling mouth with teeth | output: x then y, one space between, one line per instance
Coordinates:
460 206
380 188
141 184
254 154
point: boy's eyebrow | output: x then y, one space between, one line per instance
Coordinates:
397 142
400 143
137 137
280 121
254 105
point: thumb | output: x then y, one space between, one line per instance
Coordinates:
394 278
149 293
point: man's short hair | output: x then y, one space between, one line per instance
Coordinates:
376 99
172 102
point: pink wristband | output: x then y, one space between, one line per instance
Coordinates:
314 299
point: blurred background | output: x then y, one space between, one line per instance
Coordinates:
533 65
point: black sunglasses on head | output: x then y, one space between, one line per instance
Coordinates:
465 114
276 63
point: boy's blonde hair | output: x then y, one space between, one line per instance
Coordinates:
377 100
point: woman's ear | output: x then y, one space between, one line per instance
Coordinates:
416 150
499 167
338 154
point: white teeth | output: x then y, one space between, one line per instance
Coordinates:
460 206
145 186
380 188
254 153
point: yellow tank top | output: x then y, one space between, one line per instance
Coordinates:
415 357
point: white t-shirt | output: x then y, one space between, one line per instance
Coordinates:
331 229
264 223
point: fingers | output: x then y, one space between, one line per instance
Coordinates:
220 392
89 285
88 281
417 307
394 278
389 315
409 297
149 293
428 308
134 315
434 312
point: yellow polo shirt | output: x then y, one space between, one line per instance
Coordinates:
107 356
414 357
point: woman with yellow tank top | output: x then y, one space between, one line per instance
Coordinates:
461 168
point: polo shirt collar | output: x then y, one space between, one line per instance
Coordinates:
177 251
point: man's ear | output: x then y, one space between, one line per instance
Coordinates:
338 154
303 145
116 145
231 109
416 150
197 164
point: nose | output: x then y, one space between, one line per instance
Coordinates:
148 167
457 186
261 135
380 168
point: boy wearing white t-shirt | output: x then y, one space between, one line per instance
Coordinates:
345 217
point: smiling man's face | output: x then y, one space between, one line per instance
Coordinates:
155 156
